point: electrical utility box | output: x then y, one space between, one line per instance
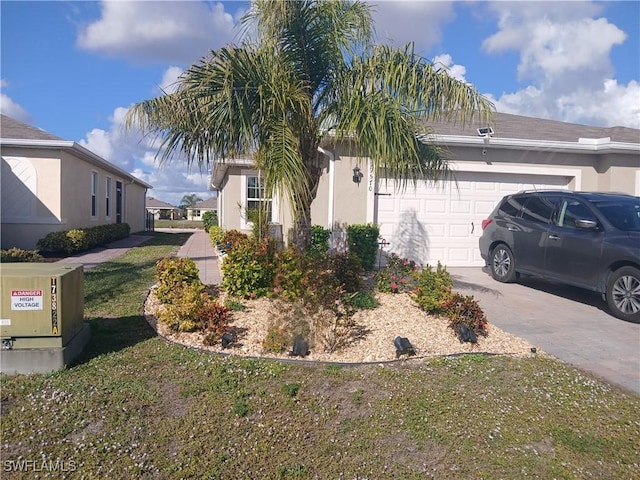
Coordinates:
41 315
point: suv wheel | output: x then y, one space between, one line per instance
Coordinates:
502 264
623 294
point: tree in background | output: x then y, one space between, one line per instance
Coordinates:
306 72
209 219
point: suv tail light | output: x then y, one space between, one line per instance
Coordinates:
486 222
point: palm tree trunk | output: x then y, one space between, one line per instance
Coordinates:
302 221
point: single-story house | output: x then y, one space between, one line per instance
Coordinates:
208 205
442 222
50 184
162 210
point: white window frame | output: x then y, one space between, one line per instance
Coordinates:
107 198
94 194
245 224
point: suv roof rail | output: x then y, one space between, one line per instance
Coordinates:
547 190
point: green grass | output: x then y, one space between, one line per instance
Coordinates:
138 407
178 224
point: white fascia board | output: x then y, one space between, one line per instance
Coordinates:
220 170
583 145
79 151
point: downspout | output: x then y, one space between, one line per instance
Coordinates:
330 206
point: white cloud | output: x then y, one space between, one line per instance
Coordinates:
11 108
144 32
169 79
399 22
136 154
456 71
565 54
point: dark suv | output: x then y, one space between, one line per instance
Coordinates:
590 240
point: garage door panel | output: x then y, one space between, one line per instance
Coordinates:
443 223
461 206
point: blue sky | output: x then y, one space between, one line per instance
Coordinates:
73 68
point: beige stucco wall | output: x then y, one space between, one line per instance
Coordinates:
611 172
353 202
64 197
229 198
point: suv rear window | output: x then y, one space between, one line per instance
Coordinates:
539 208
511 206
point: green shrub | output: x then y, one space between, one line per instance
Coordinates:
171 273
433 289
399 275
259 218
216 234
362 300
234 305
363 242
81 239
319 240
248 269
209 219
184 314
232 238
348 271
15 255
277 338
465 310
289 277
55 242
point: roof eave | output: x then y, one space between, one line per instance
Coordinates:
221 167
79 150
581 146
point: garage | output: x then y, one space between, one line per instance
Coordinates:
443 222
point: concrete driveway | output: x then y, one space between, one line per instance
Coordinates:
566 322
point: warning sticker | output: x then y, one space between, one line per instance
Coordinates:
26 300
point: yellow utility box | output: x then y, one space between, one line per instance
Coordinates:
41 308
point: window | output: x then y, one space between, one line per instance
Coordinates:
255 198
512 206
571 211
107 200
539 209
94 193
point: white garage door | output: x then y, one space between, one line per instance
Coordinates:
443 223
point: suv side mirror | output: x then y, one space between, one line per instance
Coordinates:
587 224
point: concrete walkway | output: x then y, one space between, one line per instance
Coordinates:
197 247
103 254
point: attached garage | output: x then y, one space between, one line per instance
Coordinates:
442 222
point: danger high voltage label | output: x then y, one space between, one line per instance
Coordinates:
26 300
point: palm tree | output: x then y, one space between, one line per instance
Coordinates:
188 201
311 73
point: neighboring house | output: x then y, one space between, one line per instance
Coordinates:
442 222
208 205
162 210
50 184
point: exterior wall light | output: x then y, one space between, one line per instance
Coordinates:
357 175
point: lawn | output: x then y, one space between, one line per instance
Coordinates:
138 407
177 224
